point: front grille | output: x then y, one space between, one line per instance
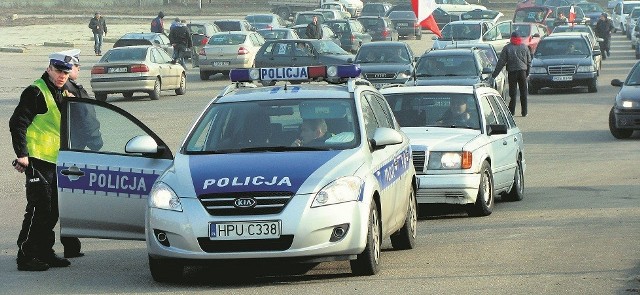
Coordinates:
281 244
419 158
379 75
223 204
562 70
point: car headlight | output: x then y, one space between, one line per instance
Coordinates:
449 160
538 70
163 197
626 103
404 75
342 190
586 69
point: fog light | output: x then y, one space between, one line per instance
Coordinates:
161 236
339 232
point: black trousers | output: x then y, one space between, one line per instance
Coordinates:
518 80
36 238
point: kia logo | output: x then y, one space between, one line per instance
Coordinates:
244 202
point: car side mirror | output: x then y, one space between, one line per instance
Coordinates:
385 136
536 35
597 52
616 82
602 40
350 60
495 129
487 70
143 144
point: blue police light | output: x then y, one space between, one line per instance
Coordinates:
295 73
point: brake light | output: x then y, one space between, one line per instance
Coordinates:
269 27
415 25
385 33
139 68
204 41
243 51
98 70
353 37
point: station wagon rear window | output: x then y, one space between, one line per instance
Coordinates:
227 39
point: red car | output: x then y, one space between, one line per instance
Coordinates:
531 33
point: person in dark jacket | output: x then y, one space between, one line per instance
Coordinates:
84 132
517 57
180 38
603 29
314 29
157 24
35 135
99 28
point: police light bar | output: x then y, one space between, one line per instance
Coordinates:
295 73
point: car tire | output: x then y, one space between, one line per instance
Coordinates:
155 93
517 189
593 85
204 75
615 131
484 201
127 95
165 270
367 263
405 238
101 96
183 85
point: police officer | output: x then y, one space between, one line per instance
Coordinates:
84 132
314 29
517 57
35 134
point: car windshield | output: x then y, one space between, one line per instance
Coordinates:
634 77
635 13
461 32
229 26
259 19
373 8
328 47
273 34
383 54
450 110
523 30
127 55
274 126
227 39
565 10
138 36
372 23
549 47
629 6
446 65
480 15
304 19
561 29
530 15
590 7
402 15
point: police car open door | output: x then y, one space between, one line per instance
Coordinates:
105 171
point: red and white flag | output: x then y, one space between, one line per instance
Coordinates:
572 15
424 11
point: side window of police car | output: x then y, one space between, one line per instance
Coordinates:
370 122
381 112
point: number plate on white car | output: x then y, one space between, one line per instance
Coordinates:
220 63
562 78
245 230
117 70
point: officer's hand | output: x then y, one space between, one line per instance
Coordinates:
20 164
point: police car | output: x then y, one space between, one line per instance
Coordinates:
242 186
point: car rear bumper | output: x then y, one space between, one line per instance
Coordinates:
117 85
448 189
223 64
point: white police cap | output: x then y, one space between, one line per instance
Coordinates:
62 60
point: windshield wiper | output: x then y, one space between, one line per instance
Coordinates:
280 149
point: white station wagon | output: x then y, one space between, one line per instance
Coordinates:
466 146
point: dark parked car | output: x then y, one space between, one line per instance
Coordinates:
350 32
592 11
380 28
327 33
226 25
460 66
442 17
278 33
384 63
375 9
265 21
406 23
564 61
133 39
488 52
624 116
306 17
300 53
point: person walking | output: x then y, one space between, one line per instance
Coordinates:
99 28
35 134
314 29
517 57
180 38
603 30
157 24
84 132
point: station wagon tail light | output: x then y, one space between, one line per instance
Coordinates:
204 41
311 73
139 68
450 160
243 51
353 37
98 70
345 189
163 197
385 33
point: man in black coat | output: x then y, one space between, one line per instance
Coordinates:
314 29
180 38
99 28
603 29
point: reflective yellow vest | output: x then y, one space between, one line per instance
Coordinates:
43 135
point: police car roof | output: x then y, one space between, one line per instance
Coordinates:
291 92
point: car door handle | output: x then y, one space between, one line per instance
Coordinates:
74 172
